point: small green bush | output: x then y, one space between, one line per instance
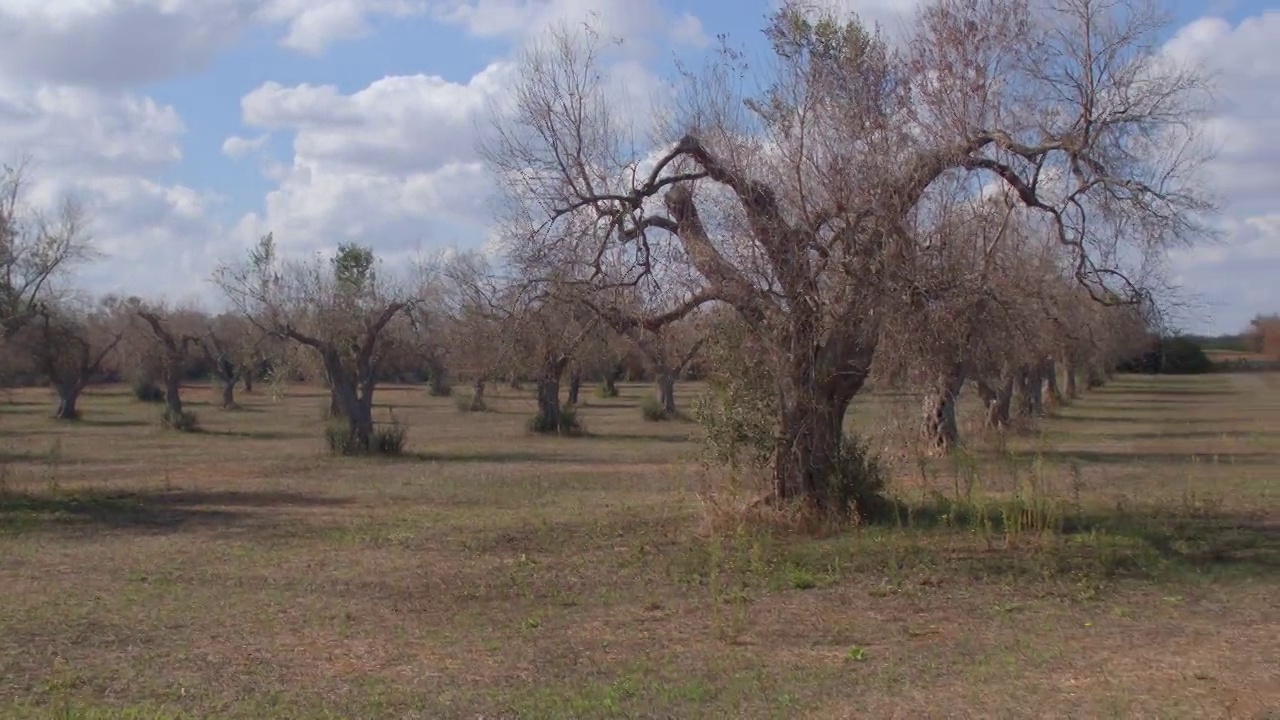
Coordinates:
569 424
184 421
387 439
604 391
147 391
651 410
857 482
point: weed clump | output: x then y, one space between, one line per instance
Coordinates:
652 411
182 421
469 403
387 439
567 423
147 391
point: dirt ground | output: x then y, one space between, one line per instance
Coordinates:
1122 561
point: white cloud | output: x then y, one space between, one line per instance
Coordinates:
313 25
1236 278
687 30
391 165
236 146
118 43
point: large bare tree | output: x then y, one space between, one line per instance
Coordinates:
69 346
791 193
339 309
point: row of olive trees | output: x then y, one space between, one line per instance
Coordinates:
831 195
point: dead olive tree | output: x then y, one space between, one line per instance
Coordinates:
339 309
69 346
234 348
177 346
792 203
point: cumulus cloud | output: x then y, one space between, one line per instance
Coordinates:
119 43
236 146
393 164
1236 277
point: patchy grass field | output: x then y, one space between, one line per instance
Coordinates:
1123 562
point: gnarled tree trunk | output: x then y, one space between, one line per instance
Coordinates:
477 396
68 394
1050 373
814 392
1030 382
548 394
665 381
940 422
1073 390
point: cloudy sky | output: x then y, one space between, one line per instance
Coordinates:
190 127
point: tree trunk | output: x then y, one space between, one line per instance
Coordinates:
997 401
228 393
439 379
1050 373
808 443
548 418
611 380
813 397
666 382
68 394
356 410
575 387
477 396
1096 378
173 393
248 381
1073 390
1030 384
940 424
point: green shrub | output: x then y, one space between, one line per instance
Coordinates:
651 410
604 391
184 421
568 424
147 391
387 439
856 482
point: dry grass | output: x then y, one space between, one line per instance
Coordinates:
1120 563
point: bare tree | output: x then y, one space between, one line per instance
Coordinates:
69 346
796 211
35 250
338 309
177 347
233 348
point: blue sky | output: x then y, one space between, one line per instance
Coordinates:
130 104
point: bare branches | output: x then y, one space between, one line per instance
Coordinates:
36 249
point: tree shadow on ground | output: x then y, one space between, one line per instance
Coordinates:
158 510
259 434
515 456
636 437
116 422
1114 543
1131 418
1181 392
1100 457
